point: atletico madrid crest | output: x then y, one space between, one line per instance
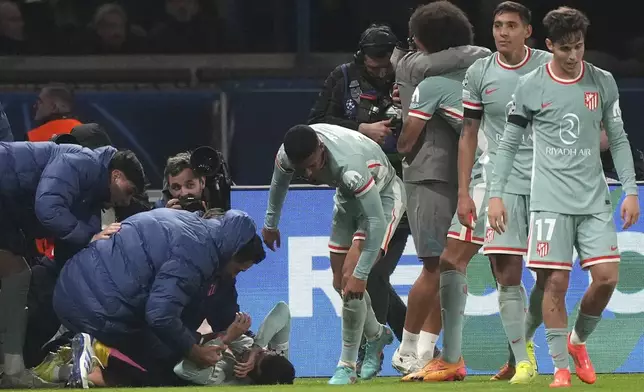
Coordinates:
591 100
489 234
543 248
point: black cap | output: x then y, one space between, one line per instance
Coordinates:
91 136
378 41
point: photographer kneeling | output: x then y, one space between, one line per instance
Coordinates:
195 181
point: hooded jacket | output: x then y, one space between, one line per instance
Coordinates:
54 190
147 273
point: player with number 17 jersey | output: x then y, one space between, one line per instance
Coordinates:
570 200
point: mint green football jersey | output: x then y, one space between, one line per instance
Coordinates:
488 87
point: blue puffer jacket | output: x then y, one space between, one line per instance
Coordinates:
146 274
55 190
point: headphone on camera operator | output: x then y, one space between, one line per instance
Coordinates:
369 82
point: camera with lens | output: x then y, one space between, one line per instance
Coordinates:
394 113
191 203
210 163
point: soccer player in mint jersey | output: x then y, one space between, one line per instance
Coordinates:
369 202
570 206
487 90
428 142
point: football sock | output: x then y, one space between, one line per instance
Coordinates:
524 297
275 330
453 296
512 310
372 327
426 343
558 345
354 312
13 301
409 344
584 326
534 317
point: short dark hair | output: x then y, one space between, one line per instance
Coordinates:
127 162
61 93
275 369
252 250
441 25
176 164
565 24
300 142
511 6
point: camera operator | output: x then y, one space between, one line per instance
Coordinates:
357 95
196 181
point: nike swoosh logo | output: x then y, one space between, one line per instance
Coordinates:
545 105
490 91
516 341
613 248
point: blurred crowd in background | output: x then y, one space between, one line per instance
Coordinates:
79 27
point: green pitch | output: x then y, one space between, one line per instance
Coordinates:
605 382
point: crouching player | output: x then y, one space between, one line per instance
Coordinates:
369 201
262 360
137 283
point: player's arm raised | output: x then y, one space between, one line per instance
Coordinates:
519 117
282 176
467 144
424 102
620 150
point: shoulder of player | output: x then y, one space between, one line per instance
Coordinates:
597 73
282 161
540 56
476 72
435 85
484 62
534 76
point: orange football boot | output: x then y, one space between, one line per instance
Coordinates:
506 372
439 370
562 379
583 367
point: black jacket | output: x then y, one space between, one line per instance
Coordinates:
341 94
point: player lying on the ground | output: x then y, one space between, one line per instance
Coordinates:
259 360
487 89
50 190
430 87
137 283
566 100
369 202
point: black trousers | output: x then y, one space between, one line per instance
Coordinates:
386 303
147 350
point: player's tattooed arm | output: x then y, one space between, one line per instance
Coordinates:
466 153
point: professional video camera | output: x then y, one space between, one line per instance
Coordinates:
210 163
373 109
